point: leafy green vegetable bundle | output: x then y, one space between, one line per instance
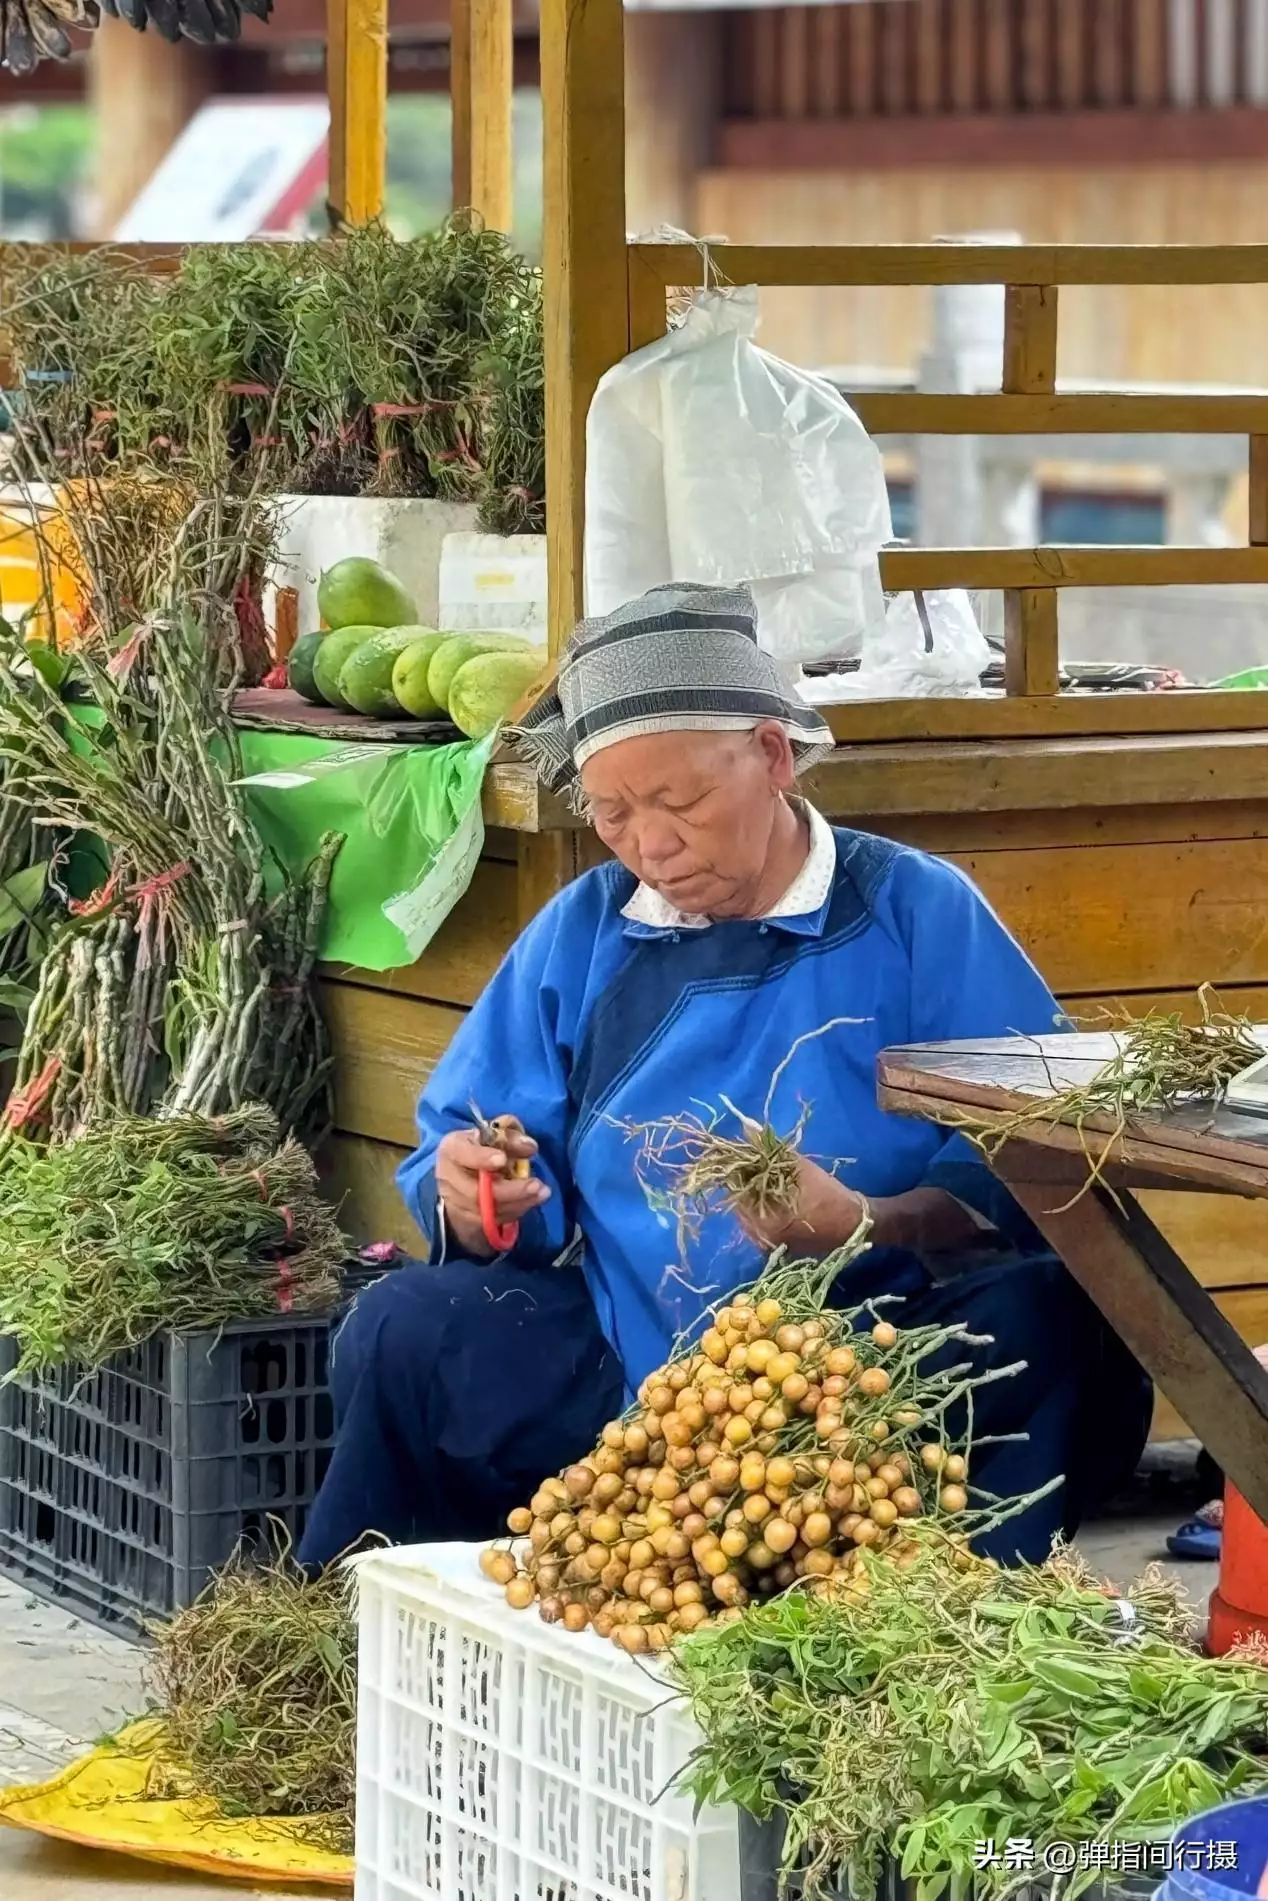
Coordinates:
921 1709
187 1222
355 365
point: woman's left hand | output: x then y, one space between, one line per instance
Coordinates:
826 1214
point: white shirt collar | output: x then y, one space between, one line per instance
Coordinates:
805 894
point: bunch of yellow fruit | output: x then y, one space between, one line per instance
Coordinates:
773 1450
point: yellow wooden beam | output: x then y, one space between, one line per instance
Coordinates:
1050 716
585 288
792 265
1031 645
1031 638
648 307
356 83
1257 489
1070 567
481 88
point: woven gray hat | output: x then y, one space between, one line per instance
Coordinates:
681 658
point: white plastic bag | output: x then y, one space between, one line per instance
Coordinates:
709 460
929 647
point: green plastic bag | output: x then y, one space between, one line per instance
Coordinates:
413 824
1250 680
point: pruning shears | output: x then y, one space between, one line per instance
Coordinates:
495 1134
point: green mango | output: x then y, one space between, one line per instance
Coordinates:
487 686
457 648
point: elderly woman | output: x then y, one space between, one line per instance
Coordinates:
730 921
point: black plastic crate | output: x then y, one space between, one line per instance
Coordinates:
762 1847
123 1488
761 1851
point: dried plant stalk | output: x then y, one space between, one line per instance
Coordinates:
185 980
690 1167
1162 1063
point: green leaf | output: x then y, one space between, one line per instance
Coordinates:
1215 1723
913 1849
1146 1685
329 1652
20 895
1071 1678
1011 1693
15 996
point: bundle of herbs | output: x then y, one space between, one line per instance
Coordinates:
920 1711
513 500
256 1688
353 365
79 329
186 1222
694 1164
184 980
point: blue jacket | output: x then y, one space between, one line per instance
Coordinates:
594 1021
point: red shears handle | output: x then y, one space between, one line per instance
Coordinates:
495 1234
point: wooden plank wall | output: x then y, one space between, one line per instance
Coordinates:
1130 905
929 57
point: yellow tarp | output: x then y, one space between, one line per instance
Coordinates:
100 1802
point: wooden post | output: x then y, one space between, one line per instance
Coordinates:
285 623
1030 641
649 310
1031 646
585 291
356 82
481 88
586 298
1257 491
144 92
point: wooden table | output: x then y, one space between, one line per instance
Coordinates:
1106 1240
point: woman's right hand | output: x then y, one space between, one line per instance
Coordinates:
461 1159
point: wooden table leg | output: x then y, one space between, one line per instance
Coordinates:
1164 1315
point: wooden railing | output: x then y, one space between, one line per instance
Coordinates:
1030 578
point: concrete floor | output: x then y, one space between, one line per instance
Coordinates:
64 1684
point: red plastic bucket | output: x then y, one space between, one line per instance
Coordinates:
1239 1605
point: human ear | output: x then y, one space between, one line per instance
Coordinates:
777 755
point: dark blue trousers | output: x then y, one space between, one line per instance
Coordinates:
457 1389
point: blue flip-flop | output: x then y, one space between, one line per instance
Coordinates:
1195 1540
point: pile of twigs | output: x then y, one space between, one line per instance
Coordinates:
256 1684
347 366
1162 1062
185 1222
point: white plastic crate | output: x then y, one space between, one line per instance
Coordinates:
503 1759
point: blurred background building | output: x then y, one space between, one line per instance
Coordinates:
857 121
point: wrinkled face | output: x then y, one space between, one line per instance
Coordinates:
692 814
